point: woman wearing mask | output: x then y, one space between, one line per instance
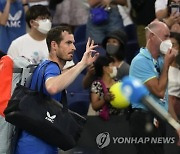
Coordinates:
115 43
105 72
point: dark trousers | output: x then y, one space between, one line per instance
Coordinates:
142 126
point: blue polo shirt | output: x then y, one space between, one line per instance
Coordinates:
145 67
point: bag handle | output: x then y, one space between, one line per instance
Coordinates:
103 86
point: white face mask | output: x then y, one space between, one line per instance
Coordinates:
165 45
44 25
114 72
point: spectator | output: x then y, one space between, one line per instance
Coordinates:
165 12
12 21
173 79
105 72
33 44
60 42
73 13
151 67
114 43
114 22
143 12
125 13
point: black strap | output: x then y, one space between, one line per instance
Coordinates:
63 93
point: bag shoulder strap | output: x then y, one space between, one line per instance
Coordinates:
105 90
36 82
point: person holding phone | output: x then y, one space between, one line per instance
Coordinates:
168 12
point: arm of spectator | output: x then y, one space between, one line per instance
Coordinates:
171 107
93 3
96 102
162 14
58 83
172 19
161 10
5 14
120 2
175 28
107 3
89 77
157 86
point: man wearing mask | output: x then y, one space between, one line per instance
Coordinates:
33 44
151 67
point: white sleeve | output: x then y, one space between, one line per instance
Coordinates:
160 5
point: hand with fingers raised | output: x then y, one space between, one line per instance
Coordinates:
90 54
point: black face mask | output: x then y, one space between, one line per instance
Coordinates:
112 49
178 59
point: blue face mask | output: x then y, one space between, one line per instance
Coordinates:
112 49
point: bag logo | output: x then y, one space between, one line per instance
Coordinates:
50 118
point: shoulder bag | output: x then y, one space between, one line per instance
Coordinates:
44 117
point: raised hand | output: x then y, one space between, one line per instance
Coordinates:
90 54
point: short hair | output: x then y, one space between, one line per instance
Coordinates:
35 11
100 63
55 34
